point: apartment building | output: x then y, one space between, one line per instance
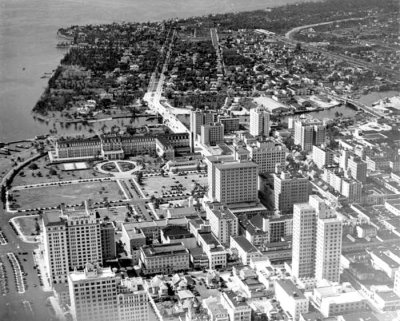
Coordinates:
267 154
259 122
222 221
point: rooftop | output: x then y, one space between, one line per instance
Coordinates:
291 289
245 244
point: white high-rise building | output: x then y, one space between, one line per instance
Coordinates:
317 241
72 238
309 132
303 243
93 294
236 183
328 246
259 122
198 118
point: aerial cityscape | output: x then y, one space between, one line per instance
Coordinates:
200 161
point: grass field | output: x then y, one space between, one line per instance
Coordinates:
28 224
42 174
156 185
68 194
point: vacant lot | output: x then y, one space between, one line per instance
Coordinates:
69 194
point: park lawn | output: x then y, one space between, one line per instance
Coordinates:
27 224
155 185
43 169
69 194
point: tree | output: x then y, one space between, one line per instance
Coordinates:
33 166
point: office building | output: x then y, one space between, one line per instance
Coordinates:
317 241
259 122
231 181
72 238
222 221
322 156
212 134
303 243
93 294
309 132
267 155
237 307
132 300
199 118
216 254
291 299
356 168
231 124
108 245
289 189
164 258
328 241
333 300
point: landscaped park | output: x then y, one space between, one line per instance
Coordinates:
46 196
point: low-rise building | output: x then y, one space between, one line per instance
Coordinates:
217 256
237 307
338 299
291 299
164 258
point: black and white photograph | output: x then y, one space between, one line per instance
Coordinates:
199 160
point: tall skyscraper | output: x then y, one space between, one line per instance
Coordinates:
328 243
72 238
317 241
309 132
259 122
303 243
289 189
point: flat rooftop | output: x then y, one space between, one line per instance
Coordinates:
291 289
